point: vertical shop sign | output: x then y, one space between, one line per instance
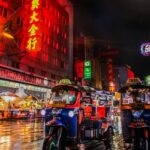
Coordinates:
87 70
32 40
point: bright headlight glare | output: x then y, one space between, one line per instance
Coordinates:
71 114
43 112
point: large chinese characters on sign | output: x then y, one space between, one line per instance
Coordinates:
32 31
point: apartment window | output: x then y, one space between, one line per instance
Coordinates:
43 73
44 3
57 45
49 23
5 12
56 61
48 40
31 69
19 21
62 64
15 64
53 76
58 31
18 42
10 24
1 10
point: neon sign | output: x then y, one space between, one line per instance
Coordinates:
145 49
87 69
14 75
33 29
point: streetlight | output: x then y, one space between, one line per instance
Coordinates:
12 38
7 35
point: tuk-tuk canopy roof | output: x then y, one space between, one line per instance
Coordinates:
88 89
133 86
67 86
74 87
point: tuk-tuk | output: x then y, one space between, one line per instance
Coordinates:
135 115
68 122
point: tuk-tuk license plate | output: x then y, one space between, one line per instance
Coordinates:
58 105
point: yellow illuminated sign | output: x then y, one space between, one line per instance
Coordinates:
32 30
32 41
35 4
34 17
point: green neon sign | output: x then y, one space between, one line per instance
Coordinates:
87 64
87 70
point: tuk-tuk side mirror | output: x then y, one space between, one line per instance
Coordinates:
104 120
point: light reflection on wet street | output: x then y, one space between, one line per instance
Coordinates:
29 134
21 135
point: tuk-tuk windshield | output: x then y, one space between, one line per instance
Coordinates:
64 95
141 95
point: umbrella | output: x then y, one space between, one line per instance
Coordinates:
8 96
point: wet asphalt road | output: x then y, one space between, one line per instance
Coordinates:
21 135
29 134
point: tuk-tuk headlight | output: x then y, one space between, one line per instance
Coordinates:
43 112
137 114
71 114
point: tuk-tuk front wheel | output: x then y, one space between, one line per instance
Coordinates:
51 144
108 136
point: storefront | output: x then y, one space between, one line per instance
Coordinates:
12 80
37 91
23 86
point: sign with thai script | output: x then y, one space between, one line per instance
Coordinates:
21 77
145 49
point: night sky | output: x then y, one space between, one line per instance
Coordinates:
124 23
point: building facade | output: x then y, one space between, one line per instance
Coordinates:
84 51
36 40
122 74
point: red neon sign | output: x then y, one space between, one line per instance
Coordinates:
11 74
130 74
79 65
